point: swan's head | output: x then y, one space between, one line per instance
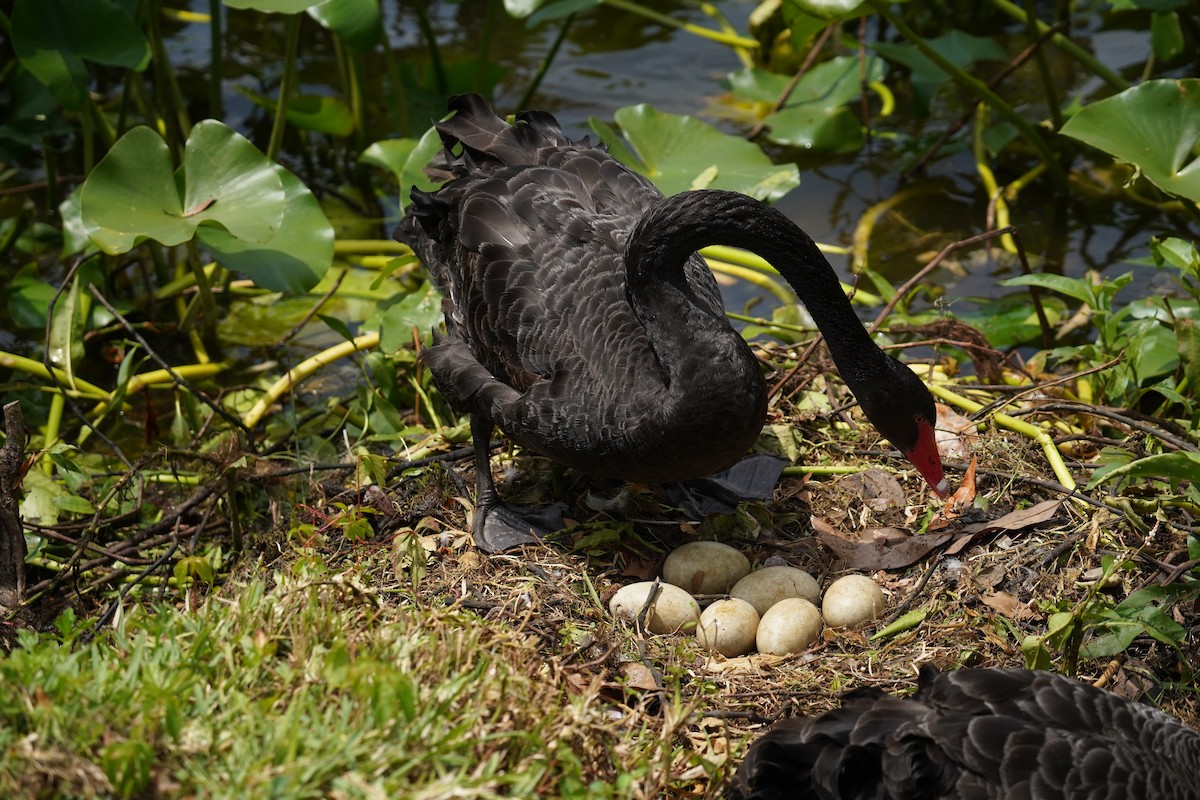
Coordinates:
904 412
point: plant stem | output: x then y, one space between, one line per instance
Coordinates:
303 370
671 22
980 89
1031 22
435 55
543 67
285 86
1067 46
216 99
485 46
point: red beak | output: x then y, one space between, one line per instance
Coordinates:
925 457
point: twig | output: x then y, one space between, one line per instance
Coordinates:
12 536
180 381
791 87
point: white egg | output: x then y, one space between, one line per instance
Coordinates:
705 567
728 627
765 587
674 609
851 601
789 626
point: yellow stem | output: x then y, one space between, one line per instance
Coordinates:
303 370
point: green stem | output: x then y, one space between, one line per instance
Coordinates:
1047 78
543 67
697 30
285 86
980 89
216 98
485 46
1067 46
399 104
435 55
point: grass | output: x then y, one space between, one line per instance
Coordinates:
307 684
376 654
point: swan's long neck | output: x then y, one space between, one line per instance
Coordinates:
680 225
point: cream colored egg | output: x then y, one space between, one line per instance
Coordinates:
765 587
851 601
789 626
728 627
674 609
705 567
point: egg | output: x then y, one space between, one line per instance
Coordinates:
705 567
674 609
851 601
765 587
728 627
789 626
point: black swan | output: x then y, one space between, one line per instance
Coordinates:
580 321
977 733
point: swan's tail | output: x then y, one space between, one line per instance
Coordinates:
477 143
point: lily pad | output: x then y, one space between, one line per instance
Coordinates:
358 22
133 194
53 38
1155 126
295 258
680 153
319 113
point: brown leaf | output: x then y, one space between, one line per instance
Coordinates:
1017 520
884 548
1007 604
960 502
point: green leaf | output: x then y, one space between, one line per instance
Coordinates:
1166 36
74 504
817 115
1078 288
1153 351
907 622
673 150
1188 331
831 9
1155 126
1011 320
298 253
407 159
1178 466
317 113
421 310
960 49
133 194
358 22
53 38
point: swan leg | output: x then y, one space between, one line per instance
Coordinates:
497 528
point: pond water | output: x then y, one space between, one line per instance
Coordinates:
612 59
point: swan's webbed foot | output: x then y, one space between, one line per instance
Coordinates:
752 478
498 528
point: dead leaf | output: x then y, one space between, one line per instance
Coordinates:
877 489
1014 521
955 434
1007 604
962 499
637 676
884 548
1017 520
